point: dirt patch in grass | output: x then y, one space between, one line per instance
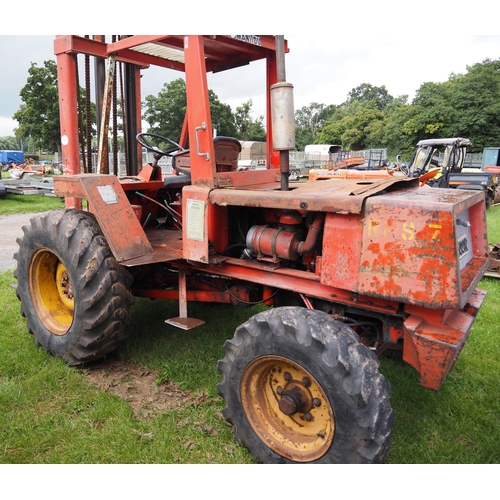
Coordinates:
139 387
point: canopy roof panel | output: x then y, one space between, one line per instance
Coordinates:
221 51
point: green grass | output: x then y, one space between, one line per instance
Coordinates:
22 204
50 413
493 222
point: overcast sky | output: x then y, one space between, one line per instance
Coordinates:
323 67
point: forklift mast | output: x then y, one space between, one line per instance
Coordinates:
195 55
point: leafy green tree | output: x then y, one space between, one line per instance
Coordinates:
465 105
431 113
394 138
249 129
222 116
38 116
331 133
165 113
303 137
9 142
475 100
333 112
308 120
361 129
359 122
367 93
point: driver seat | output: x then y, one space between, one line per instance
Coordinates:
173 181
181 163
227 151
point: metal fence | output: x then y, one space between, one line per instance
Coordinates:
299 160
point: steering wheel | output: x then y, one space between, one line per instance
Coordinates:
141 139
404 169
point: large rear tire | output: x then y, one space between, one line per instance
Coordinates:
73 293
299 387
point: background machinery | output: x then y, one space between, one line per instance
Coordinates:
443 161
348 268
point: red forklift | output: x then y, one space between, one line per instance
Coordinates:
348 269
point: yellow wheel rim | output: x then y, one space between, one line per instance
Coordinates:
51 291
287 408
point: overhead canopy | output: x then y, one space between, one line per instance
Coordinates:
221 51
459 141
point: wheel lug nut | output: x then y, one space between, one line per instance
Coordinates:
287 405
279 391
307 417
287 376
306 382
316 402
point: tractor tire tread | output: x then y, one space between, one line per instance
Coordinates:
364 417
101 285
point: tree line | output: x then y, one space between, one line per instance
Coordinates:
466 105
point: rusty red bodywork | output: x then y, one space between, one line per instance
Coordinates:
409 259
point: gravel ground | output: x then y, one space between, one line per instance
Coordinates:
10 230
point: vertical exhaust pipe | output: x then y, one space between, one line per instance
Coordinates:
283 118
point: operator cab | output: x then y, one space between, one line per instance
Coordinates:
227 151
445 155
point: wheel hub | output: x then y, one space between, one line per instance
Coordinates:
52 291
287 408
296 397
65 286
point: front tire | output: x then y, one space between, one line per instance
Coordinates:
73 293
299 387
489 198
